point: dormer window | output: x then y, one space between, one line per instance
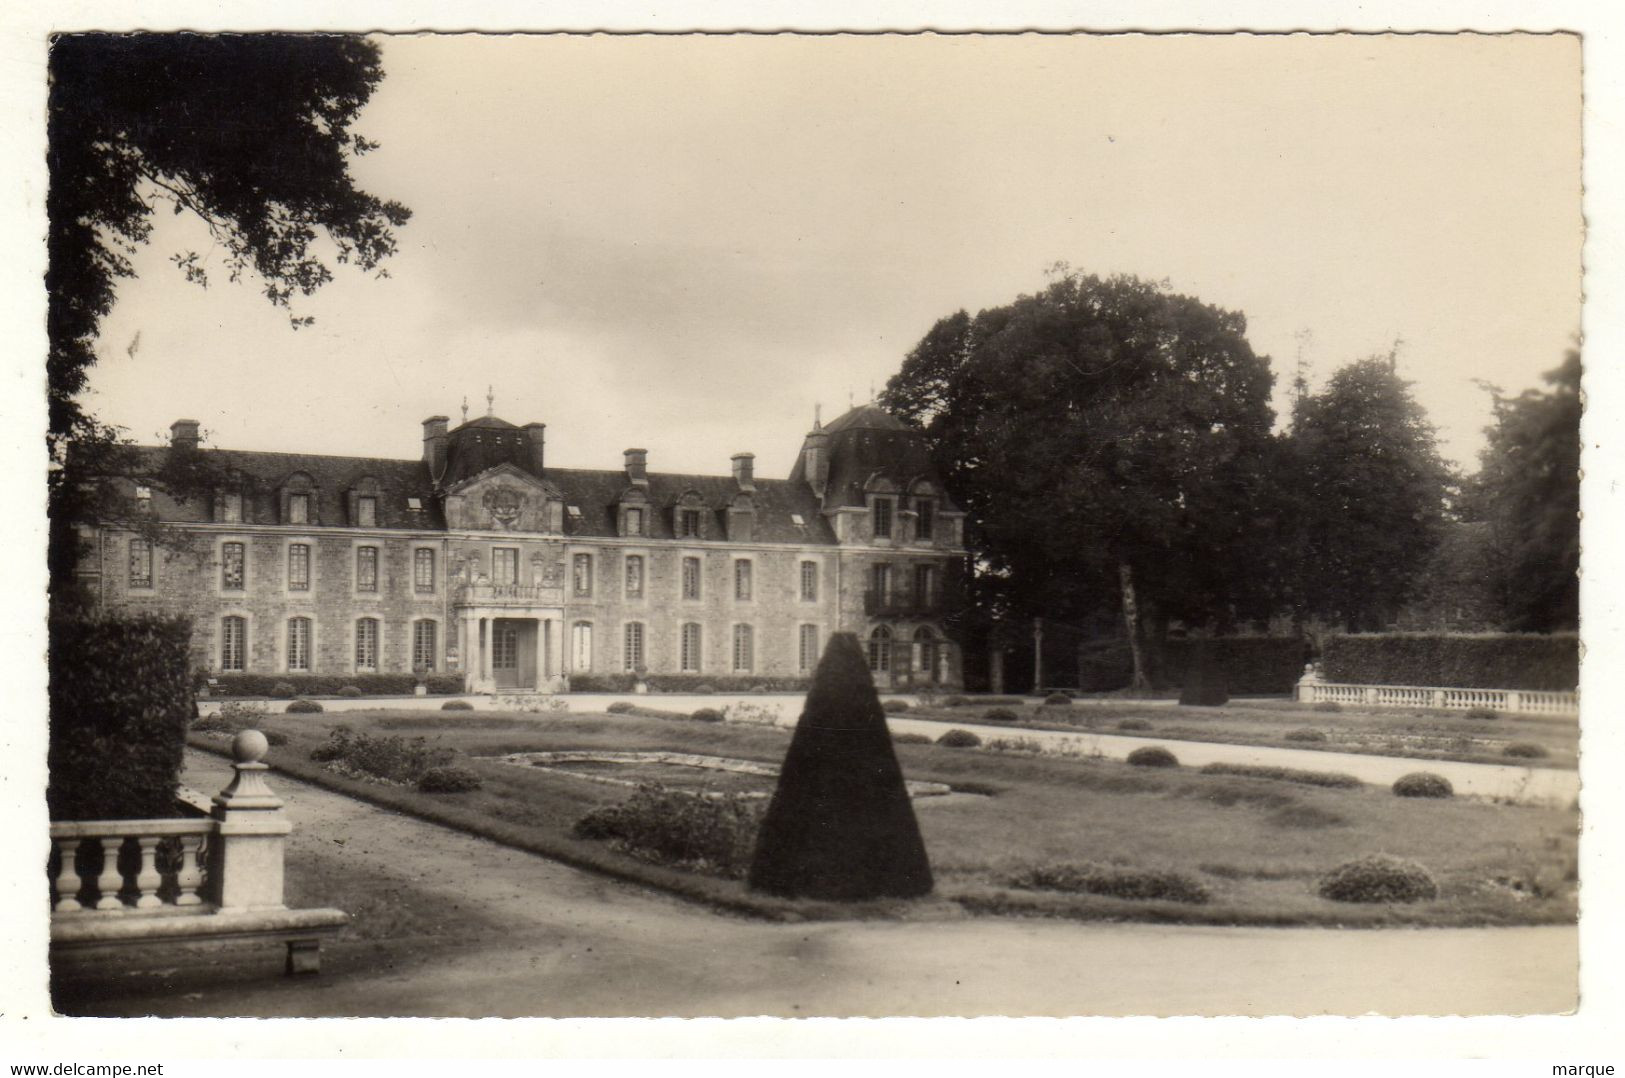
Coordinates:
298 499
362 502
299 509
688 523
634 521
143 498
229 507
924 521
366 511
881 515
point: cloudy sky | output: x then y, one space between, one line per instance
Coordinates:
686 243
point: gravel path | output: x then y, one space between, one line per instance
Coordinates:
492 931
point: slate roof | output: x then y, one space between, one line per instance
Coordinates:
865 441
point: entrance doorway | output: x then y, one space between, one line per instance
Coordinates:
513 653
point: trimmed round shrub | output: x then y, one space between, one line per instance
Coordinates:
1304 734
305 707
892 707
959 739
1057 699
704 690
1330 707
910 738
758 688
1423 784
620 707
456 705
707 714
953 701
449 779
1115 881
282 690
1153 756
1378 878
1524 750
350 691
999 714
1483 714
1133 724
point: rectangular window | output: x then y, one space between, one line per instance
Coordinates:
232 634
634 522
582 575
688 523
423 570
882 518
742 649
505 566
232 569
690 657
691 578
143 498
366 644
299 509
634 576
925 586
882 582
923 520
581 647
423 645
298 567
633 657
742 582
809 582
140 563
366 511
231 508
366 568
298 644
807 652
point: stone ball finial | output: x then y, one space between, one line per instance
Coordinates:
249 747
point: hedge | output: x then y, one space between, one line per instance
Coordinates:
1251 665
323 684
121 700
688 683
1455 660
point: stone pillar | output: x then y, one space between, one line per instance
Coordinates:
1307 683
995 671
555 650
246 856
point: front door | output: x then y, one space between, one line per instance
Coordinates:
513 653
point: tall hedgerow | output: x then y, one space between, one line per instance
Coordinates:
840 825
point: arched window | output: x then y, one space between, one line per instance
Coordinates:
233 641
691 654
581 647
366 646
880 650
299 645
925 644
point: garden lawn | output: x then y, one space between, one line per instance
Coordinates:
1257 845
1426 735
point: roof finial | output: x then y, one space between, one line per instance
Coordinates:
490 400
465 407
818 414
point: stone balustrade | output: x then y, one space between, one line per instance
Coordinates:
1311 690
194 877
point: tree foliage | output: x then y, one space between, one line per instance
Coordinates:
1528 491
1370 496
1103 423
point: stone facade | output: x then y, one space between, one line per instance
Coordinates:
481 561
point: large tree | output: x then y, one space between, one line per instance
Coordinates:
1370 494
250 133
1111 441
1528 492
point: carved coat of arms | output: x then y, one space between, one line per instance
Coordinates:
504 506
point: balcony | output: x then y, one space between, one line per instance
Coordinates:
902 604
515 595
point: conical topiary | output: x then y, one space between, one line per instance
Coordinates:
840 825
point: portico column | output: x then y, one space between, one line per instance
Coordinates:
555 646
543 669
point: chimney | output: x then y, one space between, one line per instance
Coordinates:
637 467
535 435
434 445
183 434
744 469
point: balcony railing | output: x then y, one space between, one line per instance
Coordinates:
509 595
901 604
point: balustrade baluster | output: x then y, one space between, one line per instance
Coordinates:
190 876
147 880
110 883
67 877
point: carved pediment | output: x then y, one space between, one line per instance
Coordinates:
504 498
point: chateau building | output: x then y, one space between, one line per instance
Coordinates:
481 561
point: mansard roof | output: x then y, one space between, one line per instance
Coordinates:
865 443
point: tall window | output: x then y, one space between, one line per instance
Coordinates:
923 520
882 518
581 647
632 653
809 582
925 586
366 568
140 563
366 645
807 648
366 511
423 645
298 644
634 576
505 565
880 650
880 582
634 522
691 578
233 634
232 573
690 657
742 582
926 642
423 570
688 523
582 575
299 509
298 566
743 648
